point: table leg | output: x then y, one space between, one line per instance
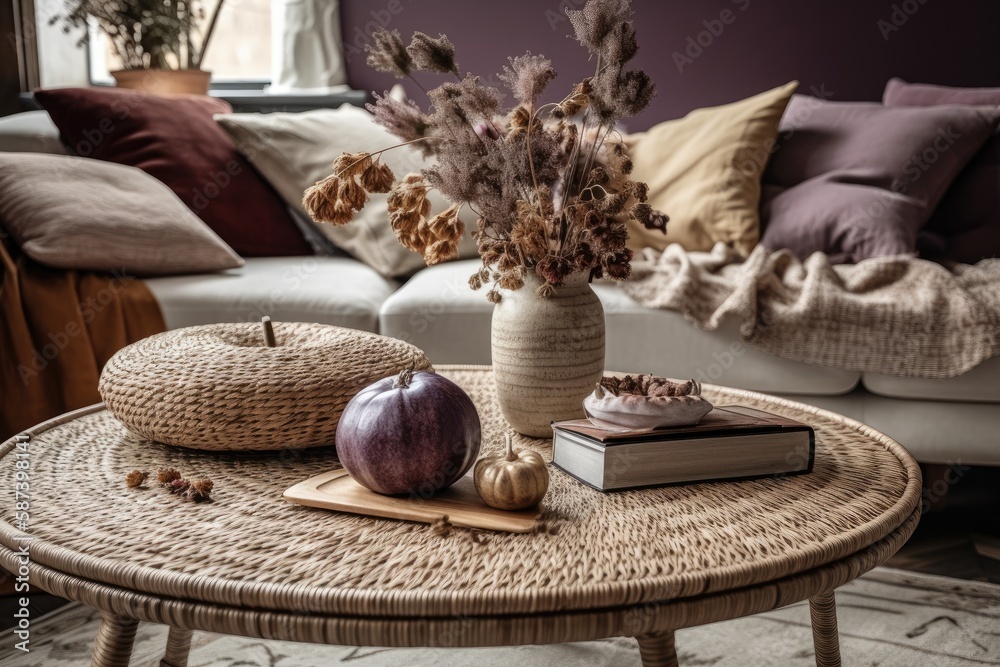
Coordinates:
657 649
178 646
826 640
113 646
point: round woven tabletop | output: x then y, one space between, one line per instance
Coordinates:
591 551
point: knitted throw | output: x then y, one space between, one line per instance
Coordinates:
893 315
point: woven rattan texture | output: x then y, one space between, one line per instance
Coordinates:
595 550
218 387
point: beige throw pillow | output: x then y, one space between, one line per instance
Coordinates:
704 171
294 150
77 213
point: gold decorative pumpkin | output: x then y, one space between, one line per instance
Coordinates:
514 481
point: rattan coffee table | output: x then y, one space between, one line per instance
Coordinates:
636 563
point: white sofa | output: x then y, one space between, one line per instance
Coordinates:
954 421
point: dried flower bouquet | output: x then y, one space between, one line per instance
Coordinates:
549 183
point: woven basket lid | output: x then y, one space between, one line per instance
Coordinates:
219 387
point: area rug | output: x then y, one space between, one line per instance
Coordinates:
888 618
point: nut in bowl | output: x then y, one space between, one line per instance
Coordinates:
647 401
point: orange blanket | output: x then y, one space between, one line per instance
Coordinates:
57 330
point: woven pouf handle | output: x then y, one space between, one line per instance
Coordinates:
268 330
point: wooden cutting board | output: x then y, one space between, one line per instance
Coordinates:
337 490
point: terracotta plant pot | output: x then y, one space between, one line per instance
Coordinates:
547 353
164 81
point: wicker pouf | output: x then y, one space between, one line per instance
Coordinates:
219 387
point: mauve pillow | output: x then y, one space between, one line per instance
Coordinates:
965 226
175 140
858 180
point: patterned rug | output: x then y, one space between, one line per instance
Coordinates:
888 618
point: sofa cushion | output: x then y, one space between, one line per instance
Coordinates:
294 150
965 226
175 140
858 180
959 434
981 384
73 213
328 290
436 311
30 132
704 171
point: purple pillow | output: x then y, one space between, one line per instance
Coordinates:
858 180
965 226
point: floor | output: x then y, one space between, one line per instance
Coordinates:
959 533
958 536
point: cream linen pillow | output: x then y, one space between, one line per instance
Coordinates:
294 150
704 171
77 213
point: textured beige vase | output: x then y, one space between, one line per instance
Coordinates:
547 353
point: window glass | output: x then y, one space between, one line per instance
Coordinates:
241 44
240 49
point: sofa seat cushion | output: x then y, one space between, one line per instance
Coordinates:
980 385
328 290
952 433
436 311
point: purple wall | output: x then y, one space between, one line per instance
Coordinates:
836 46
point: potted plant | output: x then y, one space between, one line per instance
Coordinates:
154 39
548 182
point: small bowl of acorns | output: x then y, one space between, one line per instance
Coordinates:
646 402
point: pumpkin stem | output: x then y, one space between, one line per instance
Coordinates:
599 391
511 456
403 380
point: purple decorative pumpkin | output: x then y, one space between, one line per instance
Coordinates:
417 432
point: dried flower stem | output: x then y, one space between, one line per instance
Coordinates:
594 148
531 162
368 156
582 136
531 121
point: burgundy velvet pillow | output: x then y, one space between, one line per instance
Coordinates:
175 140
965 226
858 180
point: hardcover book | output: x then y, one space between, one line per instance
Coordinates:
731 442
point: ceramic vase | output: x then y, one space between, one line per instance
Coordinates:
548 353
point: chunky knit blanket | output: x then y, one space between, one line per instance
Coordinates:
894 315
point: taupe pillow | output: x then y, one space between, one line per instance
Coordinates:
77 213
294 150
